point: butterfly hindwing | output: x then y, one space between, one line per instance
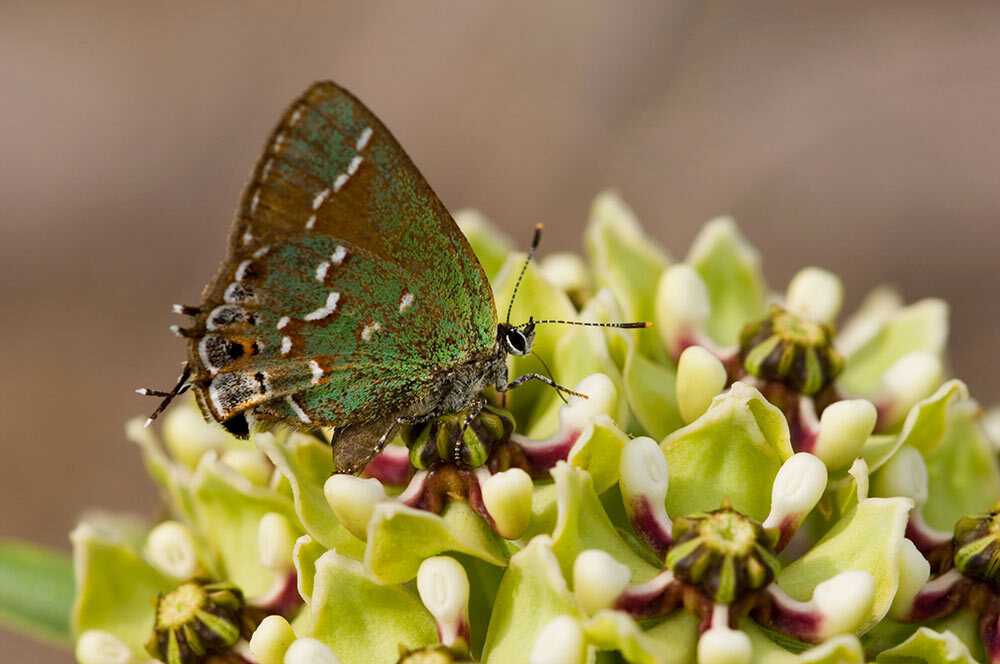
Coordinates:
348 287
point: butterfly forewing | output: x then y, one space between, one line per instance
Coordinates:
348 287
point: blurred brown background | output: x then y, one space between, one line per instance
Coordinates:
861 137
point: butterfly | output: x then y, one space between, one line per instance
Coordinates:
349 298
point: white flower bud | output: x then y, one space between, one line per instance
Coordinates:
99 647
904 474
170 548
797 488
602 399
560 641
507 497
700 378
910 379
275 541
914 570
843 429
188 437
844 601
353 500
644 472
721 644
815 294
682 305
444 589
308 650
566 271
271 640
598 580
251 464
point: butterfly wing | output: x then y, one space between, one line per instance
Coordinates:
348 287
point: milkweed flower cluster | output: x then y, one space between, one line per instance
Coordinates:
756 479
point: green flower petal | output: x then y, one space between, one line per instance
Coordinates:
962 472
627 261
115 587
228 509
676 638
730 268
868 539
597 451
532 592
615 630
928 647
361 620
920 326
173 479
401 537
489 243
538 298
307 551
307 464
651 388
842 649
924 427
732 451
583 524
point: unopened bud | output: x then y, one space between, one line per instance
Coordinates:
560 641
308 650
700 378
353 500
844 428
507 498
910 379
682 307
598 580
275 541
99 647
271 640
815 294
171 549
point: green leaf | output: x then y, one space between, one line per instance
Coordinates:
730 268
732 451
868 539
928 647
920 326
628 262
363 621
36 591
531 593
307 464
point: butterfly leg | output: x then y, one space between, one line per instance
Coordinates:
524 378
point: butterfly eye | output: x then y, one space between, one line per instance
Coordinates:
516 343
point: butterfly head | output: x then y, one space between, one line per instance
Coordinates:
517 340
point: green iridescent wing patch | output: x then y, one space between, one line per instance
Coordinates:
348 289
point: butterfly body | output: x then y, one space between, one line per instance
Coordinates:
349 297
